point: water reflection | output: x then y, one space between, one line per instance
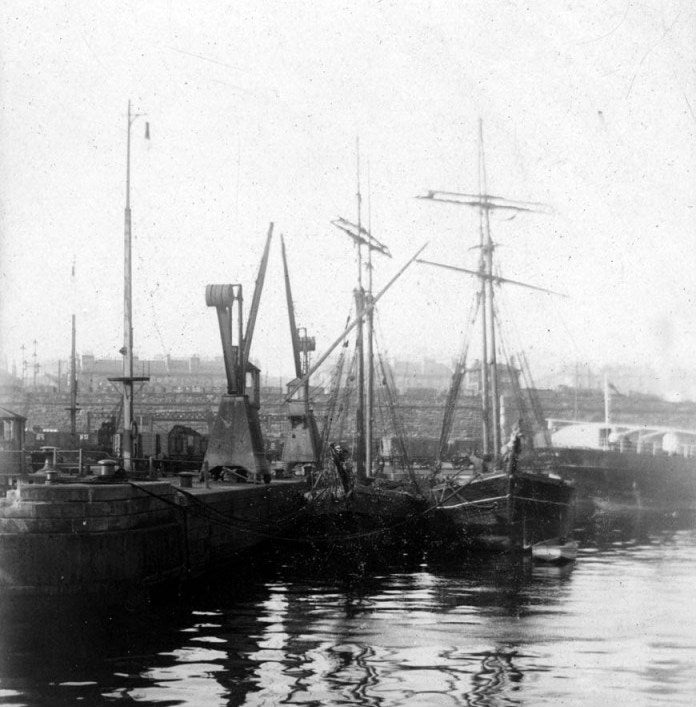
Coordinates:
416 629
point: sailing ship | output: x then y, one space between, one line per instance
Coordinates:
374 499
348 486
500 504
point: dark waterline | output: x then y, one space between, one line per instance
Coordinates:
618 626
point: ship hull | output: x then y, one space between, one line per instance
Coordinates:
386 507
629 478
370 519
495 512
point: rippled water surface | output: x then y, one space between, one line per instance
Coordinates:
617 627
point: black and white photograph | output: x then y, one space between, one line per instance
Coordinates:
347 353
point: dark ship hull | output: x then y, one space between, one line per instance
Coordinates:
629 477
495 511
383 506
371 519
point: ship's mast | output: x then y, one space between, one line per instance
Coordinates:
370 343
349 228
361 471
490 362
484 235
485 203
365 303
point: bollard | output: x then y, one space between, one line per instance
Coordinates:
106 468
186 479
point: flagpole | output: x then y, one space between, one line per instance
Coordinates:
127 379
127 449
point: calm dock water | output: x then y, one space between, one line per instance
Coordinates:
617 627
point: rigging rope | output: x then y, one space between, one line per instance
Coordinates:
459 371
537 412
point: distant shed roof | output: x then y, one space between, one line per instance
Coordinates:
6 414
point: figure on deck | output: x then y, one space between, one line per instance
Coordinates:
340 457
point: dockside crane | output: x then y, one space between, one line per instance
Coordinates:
302 442
236 441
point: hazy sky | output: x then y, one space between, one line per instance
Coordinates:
254 110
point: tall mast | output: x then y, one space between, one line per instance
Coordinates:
127 379
370 342
365 302
483 269
127 447
491 362
360 305
485 203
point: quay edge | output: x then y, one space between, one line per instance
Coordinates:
82 539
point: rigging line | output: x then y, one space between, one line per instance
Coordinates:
381 421
555 314
449 411
512 326
534 402
397 421
383 389
346 395
512 374
330 413
382 392
543 302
